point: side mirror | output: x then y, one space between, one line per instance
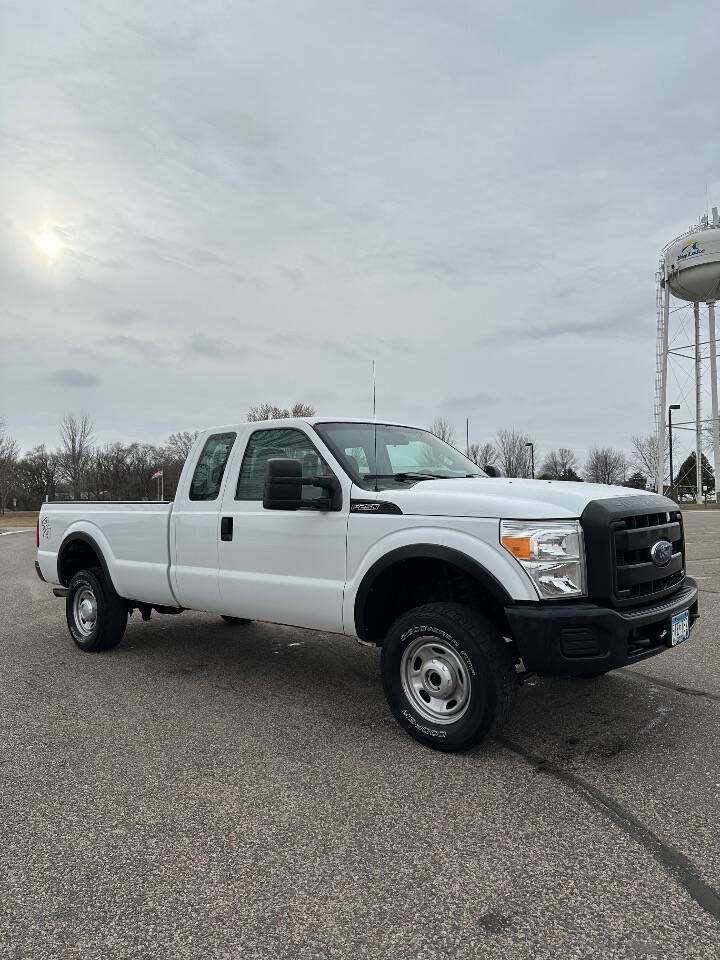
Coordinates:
492 471
331 485
283 484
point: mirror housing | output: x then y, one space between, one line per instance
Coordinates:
492 471
283 484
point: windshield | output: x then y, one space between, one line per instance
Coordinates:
391 455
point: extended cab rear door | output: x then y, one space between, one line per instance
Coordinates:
284 566
195 524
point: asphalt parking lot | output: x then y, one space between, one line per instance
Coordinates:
207 791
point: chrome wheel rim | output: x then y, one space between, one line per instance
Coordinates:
85 611
435 680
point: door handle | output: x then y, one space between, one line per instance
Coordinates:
226 528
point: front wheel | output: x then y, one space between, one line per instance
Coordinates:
448 675
96 615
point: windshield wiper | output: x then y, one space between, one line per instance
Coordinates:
401 476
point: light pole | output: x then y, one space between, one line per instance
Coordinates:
532 458
673 406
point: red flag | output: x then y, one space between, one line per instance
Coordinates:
157 474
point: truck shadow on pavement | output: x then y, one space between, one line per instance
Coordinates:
335 681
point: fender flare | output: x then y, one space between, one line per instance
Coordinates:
425 551
80 535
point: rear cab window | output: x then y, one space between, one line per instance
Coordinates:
210 468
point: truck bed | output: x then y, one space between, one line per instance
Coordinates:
133 536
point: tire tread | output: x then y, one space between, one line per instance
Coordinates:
496 651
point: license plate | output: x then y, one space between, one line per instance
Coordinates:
679 628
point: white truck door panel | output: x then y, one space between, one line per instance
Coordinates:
196 526
283 566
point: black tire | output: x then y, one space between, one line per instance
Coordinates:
235 621
488 683
110 612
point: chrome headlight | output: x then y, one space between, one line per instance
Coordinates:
551 552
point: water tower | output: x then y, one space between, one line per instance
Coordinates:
689 271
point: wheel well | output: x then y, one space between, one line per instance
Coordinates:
414 581
76 555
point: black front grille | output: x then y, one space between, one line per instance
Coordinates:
637 577
620 533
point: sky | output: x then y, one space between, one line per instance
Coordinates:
207 206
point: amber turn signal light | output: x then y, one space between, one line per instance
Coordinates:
519 547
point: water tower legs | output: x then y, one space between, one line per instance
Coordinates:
663 312
698 406
714 395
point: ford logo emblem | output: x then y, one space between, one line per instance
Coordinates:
661 553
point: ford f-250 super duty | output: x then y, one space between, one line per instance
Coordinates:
384 532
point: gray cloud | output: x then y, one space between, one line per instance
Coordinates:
69 377
135 345
123 318
212 347
466 404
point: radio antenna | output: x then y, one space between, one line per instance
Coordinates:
375 467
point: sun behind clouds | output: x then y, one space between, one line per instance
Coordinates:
49 242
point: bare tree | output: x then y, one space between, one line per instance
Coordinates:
36 477
76 436
109 472
143 459
443 430
177 445
270 411
513 453
643 458
560 464
302 410
606 465
8 460
482 454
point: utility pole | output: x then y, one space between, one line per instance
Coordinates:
532 457
673 406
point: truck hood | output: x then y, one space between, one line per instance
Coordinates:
503 498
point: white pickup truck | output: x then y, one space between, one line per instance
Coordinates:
383 532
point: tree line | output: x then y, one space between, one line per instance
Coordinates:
513 452
80 468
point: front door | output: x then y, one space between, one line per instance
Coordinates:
284 566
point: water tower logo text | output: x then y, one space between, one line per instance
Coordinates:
690 249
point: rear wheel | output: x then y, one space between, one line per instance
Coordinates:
96 615
235 621
448 675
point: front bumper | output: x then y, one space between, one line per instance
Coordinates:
572 638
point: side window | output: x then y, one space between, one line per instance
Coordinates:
210 467
263 445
